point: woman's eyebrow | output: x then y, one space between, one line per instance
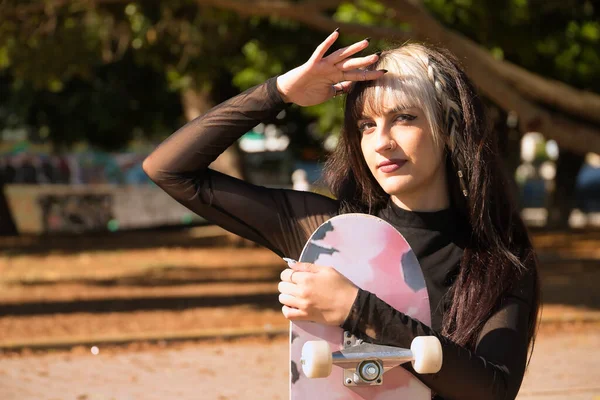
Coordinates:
395 110
398 109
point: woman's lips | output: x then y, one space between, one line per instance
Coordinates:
390 165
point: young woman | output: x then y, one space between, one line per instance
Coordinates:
415 150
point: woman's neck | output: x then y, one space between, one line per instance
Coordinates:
423 204
434 197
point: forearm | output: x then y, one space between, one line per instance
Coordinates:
198 143
465 375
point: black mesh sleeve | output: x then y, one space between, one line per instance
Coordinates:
278 219
494 370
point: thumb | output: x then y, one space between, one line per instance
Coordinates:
304 267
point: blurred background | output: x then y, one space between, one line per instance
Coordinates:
106 283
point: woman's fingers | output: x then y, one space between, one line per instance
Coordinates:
356 63
342 88
363 75
291 301
343 53
357 75
289 288
286 275
311 83
324 46
294 314
292 275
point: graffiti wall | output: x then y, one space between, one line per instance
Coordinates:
85 192
74 169
45 209
75 213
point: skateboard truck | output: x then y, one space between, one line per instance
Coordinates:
364 363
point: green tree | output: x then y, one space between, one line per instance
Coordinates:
536 59
558 40
530 57
105 72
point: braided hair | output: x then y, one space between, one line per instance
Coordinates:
452 117
499 253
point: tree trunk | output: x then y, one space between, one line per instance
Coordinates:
509 143
195 103
512 161
7 223
562 199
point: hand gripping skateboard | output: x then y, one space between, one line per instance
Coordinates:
328 363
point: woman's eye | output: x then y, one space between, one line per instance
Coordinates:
364 126
405 117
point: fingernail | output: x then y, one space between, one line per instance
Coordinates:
378 54
368 39
289 261
384 71
337 29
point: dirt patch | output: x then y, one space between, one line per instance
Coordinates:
98 291
90 325
157 266
148 288
561 368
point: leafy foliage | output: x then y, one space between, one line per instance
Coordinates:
556 39
122 100
108 71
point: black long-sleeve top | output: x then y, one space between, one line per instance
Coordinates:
282 220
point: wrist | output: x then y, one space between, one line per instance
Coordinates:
350 299
281 89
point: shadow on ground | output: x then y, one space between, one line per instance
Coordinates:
569 269
181 237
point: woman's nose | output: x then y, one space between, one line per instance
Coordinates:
384 140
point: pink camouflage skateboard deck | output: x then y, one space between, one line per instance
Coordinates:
376 257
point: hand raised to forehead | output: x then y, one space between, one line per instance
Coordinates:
321 78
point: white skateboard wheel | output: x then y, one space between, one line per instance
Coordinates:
316 359
427 354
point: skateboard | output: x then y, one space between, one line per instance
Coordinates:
328 363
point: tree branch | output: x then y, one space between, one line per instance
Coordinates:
488 74
321 5
508 85
311 18
37 7
482 68
552 93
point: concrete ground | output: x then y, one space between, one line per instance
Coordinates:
59 295
565 365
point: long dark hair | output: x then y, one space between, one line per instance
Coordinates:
499 253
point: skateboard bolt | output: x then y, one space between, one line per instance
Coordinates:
369 371
349 381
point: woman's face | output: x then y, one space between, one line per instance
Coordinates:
399 149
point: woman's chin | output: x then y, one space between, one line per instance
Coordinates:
395 185
397 191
